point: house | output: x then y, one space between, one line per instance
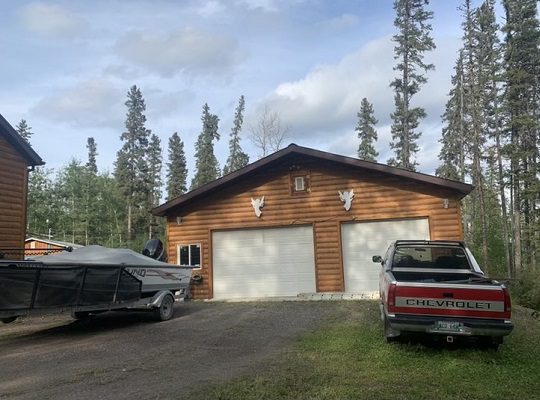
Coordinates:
17 159
39 246
304 221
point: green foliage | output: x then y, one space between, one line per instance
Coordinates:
132 170
526 289
76 206
237 158
176 168
92 154
366 131
206 164
24 130
412 41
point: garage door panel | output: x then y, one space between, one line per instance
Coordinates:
284 263
361 241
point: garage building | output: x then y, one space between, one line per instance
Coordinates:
305 221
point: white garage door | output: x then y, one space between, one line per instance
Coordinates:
361 241
263 262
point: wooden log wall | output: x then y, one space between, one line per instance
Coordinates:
13 188
377 197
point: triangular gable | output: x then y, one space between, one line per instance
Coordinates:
461 189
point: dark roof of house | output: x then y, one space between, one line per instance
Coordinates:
13 138
462 189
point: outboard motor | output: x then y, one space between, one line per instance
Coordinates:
154 249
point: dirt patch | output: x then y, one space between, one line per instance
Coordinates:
128 355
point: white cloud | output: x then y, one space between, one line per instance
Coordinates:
51 20
187 50
329 96
343 21
210 8
95 103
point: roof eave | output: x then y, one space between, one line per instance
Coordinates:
461 188
20 144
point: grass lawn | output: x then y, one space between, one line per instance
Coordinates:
348 359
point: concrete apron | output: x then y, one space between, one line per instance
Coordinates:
306 297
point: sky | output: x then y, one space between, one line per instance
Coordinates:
66 67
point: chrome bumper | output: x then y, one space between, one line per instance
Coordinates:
467 326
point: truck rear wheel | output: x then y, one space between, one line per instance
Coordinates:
165 310
389 333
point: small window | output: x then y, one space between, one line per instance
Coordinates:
190 255
299 183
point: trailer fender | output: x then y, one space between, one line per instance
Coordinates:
158 298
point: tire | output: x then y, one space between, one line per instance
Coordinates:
80 314
7 320
165 310
490 343
389 334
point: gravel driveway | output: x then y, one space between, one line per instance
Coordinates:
129 356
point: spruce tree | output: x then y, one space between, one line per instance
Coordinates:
412 41
176 168
454 132
24 130
490 68
154 158
366 131
237 158
92 153
206 164
131 171
522 60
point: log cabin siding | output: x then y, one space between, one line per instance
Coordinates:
13 189
377 197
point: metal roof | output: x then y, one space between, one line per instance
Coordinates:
462 189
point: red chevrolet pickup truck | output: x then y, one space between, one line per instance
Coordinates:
437 287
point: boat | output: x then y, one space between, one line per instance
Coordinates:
91 279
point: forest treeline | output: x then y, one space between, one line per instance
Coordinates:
490 138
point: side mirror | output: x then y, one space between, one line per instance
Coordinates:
376 259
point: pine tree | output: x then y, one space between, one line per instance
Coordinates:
24 130
154 173
92 153
490 67
206 164
366 131
522 60
237 158
131 171
454 132
412 41
176 168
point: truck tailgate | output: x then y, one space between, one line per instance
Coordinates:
451 301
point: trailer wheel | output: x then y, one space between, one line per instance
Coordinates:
7 320
80 314
165 310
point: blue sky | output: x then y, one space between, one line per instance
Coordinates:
67 66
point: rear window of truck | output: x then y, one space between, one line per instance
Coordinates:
438 257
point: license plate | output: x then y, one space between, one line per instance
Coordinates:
449 326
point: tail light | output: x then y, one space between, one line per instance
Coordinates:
391 296
507 301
